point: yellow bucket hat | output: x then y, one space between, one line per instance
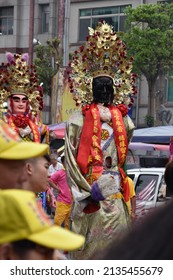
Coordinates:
23 218
12 147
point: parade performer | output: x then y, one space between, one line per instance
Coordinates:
97 137
19 88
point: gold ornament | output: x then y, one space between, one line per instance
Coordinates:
16 77
103 54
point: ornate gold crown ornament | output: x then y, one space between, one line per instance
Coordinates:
103 54
16 77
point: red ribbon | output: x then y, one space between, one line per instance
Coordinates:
90 153
32 125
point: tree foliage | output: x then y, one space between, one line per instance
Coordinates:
47 62
149 39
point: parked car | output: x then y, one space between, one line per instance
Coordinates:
150 189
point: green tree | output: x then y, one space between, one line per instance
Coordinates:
149 39
47 62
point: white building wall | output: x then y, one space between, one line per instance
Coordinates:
141 103
77 5
19 41
20 38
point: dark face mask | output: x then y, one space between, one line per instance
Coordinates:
103 91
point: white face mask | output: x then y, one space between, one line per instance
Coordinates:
19 102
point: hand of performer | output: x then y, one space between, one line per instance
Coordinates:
96 193
105 186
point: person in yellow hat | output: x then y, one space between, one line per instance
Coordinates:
13 153
26 233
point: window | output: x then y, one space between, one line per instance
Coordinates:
170 91
163 192
166 1
169 87
44 18
6 20
90 18
145 187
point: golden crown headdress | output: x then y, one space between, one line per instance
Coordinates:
103 54
17 77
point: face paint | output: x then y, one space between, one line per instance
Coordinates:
19 103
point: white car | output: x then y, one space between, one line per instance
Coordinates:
150 189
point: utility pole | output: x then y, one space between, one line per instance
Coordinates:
66 33
31 30
61 13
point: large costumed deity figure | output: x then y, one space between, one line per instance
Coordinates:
97 137
19 88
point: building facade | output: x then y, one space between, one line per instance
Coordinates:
24 23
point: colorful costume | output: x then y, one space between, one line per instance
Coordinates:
96 142
64 198
19 88
19 79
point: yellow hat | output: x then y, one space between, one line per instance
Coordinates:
12 147
23 218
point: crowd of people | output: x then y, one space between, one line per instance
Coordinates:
26 232
91 197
